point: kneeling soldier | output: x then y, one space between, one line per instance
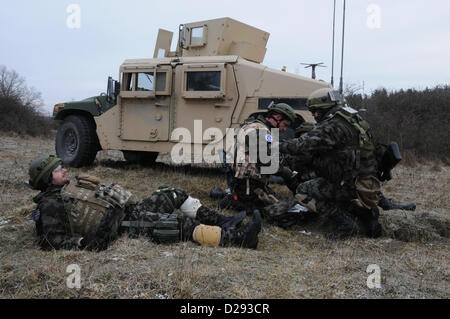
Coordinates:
89 215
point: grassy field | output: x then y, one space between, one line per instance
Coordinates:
413 254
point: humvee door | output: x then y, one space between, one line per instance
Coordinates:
145 103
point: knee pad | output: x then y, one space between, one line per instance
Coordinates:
207 235
190 207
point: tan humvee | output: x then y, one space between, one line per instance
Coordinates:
214 75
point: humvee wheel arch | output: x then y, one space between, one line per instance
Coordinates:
76 140
138 157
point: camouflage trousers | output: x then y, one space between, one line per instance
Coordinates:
331 201
156 218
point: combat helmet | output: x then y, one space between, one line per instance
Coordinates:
324 98
284 109
41 171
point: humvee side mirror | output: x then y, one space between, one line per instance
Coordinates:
182 37
113 89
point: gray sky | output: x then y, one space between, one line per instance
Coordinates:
393 44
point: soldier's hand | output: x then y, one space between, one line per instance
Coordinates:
93 243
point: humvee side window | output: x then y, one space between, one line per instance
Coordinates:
126 81
161 81
144 82
203 81
196 36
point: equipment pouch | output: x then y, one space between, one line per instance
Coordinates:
166 230
367 190
390 159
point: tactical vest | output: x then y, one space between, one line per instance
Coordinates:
245 169
365 158
90 204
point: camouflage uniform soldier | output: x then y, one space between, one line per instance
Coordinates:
296 170
88 214
249 187
341 151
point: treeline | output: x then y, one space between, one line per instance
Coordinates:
20 107
419 121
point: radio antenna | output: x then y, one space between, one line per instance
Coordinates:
341 84
332 47
313 68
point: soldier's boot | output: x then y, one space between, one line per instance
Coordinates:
374 229
369 218
246 236
388 204
345 226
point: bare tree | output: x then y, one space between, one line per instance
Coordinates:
13 87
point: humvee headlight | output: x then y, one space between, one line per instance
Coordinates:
57 107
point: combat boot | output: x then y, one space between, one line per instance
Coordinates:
388 204
346 227
245 237
369 219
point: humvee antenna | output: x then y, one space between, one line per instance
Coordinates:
332 47
313 68
341 84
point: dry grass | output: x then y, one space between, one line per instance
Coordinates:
413 255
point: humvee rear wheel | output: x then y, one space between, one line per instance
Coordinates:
142 158
76 141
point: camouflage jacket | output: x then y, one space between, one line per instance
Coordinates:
60 219
52 222
333 150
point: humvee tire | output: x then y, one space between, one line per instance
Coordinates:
142 158
76 141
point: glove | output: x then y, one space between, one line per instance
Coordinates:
93 243
87 242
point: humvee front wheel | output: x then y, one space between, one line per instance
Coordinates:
142 158
76 141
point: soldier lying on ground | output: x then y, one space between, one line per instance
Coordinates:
88 215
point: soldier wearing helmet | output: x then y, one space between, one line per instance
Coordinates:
248 185
86 214
341 151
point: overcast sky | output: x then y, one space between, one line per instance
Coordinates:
393 44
